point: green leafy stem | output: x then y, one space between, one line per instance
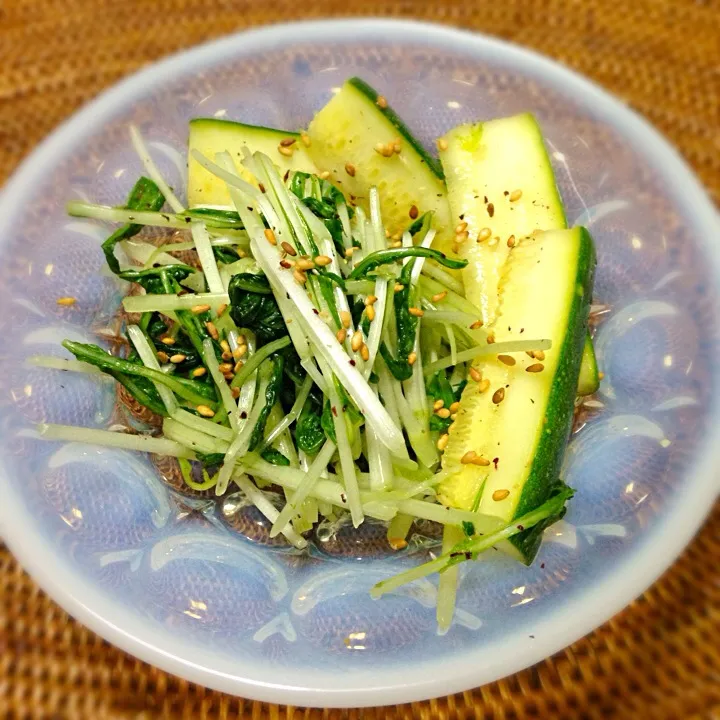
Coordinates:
194 392
391 255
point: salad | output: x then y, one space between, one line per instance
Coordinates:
338 313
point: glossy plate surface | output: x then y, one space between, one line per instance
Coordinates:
191 585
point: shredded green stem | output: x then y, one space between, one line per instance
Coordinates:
261 502
486 351
430 287
206 257
324 490
399 527
224 391
147 255
241 442
231 178
252 222
313 474
417 430
258 358
453 344
147 355
391 255
456 317
154 218
223 241
203 425
106 438
152 170
447 582
445 278
283 442
381 287
344 449
56 363
169 303
185 389
468 549
246 398
192 438
293 415
359 287
448 516
380 462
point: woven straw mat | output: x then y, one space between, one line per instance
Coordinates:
660 658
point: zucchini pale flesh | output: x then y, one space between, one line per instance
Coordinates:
212 135
520 424
501 183
589 380
353 138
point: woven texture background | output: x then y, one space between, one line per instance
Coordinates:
660 658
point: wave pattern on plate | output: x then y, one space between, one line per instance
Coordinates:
107 500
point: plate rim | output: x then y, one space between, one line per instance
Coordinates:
634 574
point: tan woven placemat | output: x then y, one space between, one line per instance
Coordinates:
660 658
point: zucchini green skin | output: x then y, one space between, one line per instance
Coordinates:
545 470
221 122
589 380
400 126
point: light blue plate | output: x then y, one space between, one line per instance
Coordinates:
173 581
